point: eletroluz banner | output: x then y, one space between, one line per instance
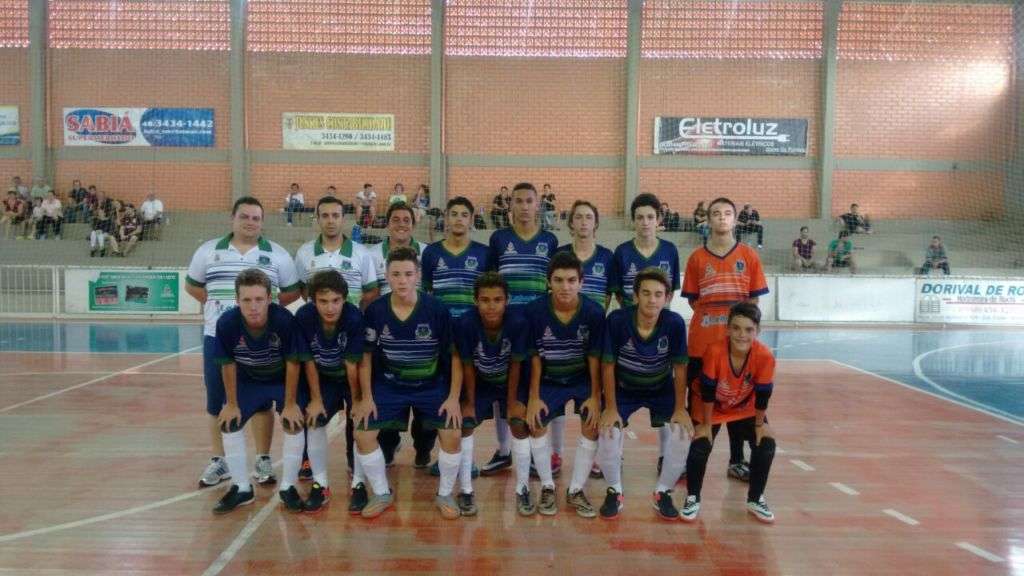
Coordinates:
730 136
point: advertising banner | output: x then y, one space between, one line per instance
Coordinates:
165 127
329 131
970 301
10 130
730 136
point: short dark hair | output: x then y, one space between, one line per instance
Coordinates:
844 233
937 237
403 254
329 279
329 200
747 310
854 205
489 280
295 184
504 187
722 200
645 199
524 186
367 185
252 277
331 187
565 260
652 273
587 204
460 201
802 228
400 206
245 201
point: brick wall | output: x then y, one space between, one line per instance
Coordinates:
775 193
603 187
15 89
920 195
181 186
269 182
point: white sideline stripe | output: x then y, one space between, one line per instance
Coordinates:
185 374
95 380
54 373
631 434
803 465
844 488
920 374
983 410
900 516
980 552
1008 439
780 451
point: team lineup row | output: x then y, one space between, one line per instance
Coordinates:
541 341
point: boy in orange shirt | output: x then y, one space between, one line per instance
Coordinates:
720 274
735 384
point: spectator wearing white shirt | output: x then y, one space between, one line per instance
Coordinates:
53 215
152 212
366 199
40 189
294 202
21 189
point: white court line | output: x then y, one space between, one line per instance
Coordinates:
980 552
631 434
803 465
780 451
844 488
920 374
983 410
186 374
1008 439
900 516
53 373
95 380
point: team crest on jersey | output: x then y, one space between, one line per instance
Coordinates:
510 249
346 265
542 250
663 345
583 332
216 257
598 269
506 346
371 334
423 331
548 334
265 260
665 266
740 265
441 264
343 340
275 340
709 271
472 263
632 269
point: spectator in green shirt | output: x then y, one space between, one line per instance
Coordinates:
935 257
840 253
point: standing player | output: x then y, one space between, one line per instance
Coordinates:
409 364
565 349
521 254
632 256
596 259
719 274
451 266
259 350
644 366
211 281
333 329
736 382
492 343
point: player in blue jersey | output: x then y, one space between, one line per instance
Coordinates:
259 349
644 366
521 254
334 334
408 365
492 344
451 266
565 349
596 259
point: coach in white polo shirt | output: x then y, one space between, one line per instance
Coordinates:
211 281
331 249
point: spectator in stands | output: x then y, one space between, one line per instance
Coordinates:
116 215
398 195
330 191
935 257
499 209
366 199
855 222
152 210
421 202
14 213
76 202
700 220
128 232
803 252
35 221
479 221
40 189
750 223
294 202
549 209
669 219
21 189
53 216
840 253
102 212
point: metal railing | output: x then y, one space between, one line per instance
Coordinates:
30 290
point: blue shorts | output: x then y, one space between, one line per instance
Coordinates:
485 399
335 395
253 398
660 403
556 397
395 402
212 378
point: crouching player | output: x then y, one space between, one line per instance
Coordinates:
408 365
644 366
491 343
259 349
735 385
333 330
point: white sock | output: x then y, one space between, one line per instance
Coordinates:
541 450
558 435
291 447
663 435
609 457
358 475
521 462
92 239
237 455
585 450
316 446
449 465
674 464
376 473
466 466
504 434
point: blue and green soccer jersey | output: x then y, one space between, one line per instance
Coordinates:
644 364
450 277
260 357
523 263
491 358
597 271
329 351
564 347
411 353
628 262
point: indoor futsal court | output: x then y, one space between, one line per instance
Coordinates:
796 224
